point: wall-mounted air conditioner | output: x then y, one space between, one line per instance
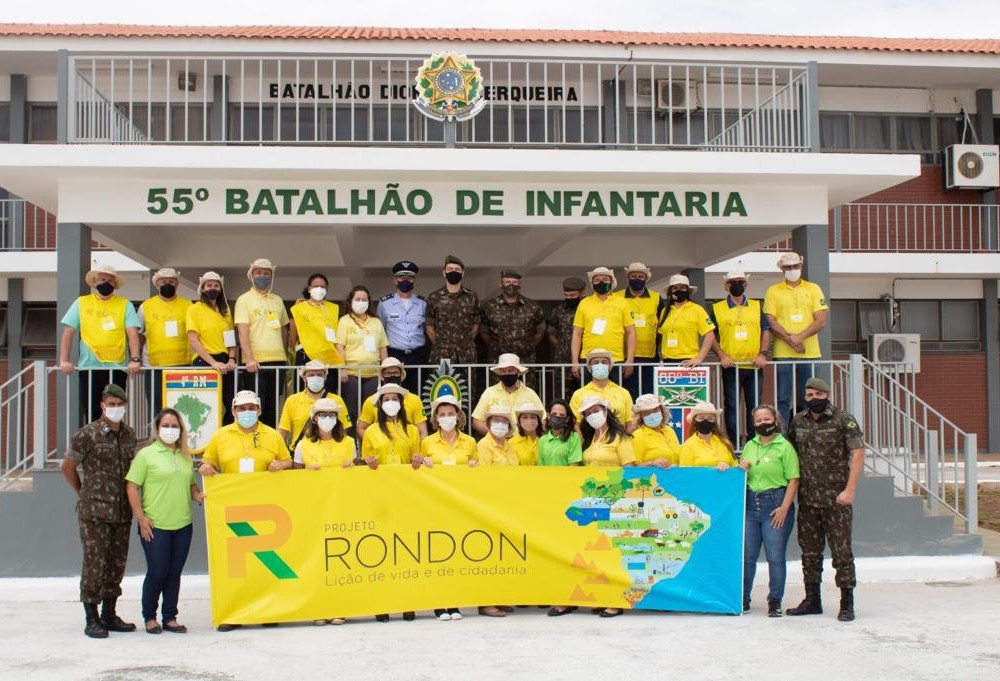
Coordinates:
895 351
675 95
972 166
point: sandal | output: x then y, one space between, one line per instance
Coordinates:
611 612
560 610
154 629
174 628
491 611
319 623
338 620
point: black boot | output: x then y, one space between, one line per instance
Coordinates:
94 628
846 613
773 607
111 620
812 604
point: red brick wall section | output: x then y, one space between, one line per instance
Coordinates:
928 188
955 385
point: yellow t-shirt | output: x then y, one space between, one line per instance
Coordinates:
650 444
264 316
412 406
295 413
442 453
164 324
361 343
317 329
526 448
396 448
696 452
794 308
325 453
102 326
681 329
738 329
616 452
603 323
230 444
643 310
497 394
492 453
615 395
210 326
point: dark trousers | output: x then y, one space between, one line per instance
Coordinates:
642 379
265 383
332 383
165 558
228 383
818 525
92 382
791 377
749 382
759 531
355 391
412 358
105 552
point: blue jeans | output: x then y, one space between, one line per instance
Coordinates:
751 383
165 558
757 531
799 370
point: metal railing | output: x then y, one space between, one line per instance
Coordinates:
24 434
26 227
345 99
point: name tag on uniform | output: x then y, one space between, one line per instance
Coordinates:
796 317
331 335
671 342
448 462
229 338
598 328
108 323
640 322
170 329
272 320
740 333
369 344
246 464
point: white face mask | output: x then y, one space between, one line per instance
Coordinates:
115 414
793 275
391 408
326 423
315 383
448 423
169 434
499 428
317 293
597 419
359 306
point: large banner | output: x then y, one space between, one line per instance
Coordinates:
681 388
303 545
197 396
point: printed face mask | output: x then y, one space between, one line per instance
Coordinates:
602 287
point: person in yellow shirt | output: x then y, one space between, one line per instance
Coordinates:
599 364
495 449
529 430
654 442
262 326
509 391
683 323
246 446
448 445
212 336
312 329
163 330
706 445
392 439
362 343
325 443
297 410
392 371
602 320
645 306
796 309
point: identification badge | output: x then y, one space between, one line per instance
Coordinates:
107 323
272 320
369 344
331 335
797 317
246 464
598 328
740 333
170 329
448 462
640 322
229 338
671 341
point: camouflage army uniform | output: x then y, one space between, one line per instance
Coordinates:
824 446
561 326
512 327
453 315
103 510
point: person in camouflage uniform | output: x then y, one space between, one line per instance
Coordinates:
561 335
831 453
452 317
104 450
512 323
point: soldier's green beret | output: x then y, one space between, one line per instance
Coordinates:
818 384
574 284
454 260
508 273
113 390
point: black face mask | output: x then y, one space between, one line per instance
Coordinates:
394 379
510 290
680 296
636 284
572 303
817 405
212 294
704 427
453 277
105 288
404 286
736 290
766 429
602 287
168 290
557 421
509 380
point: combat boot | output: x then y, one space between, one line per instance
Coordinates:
94 628
111 620
846 613
773 607
812 604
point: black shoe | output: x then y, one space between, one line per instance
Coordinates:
746 606
846 613
810 605
381 618
269 625
94 628
228 627
409 616
110 619
774 607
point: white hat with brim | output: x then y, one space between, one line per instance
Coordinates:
736 274
324 404
593 401
529 408
209 276
703 409
313 365
91 277
165 273
390 362
679 280
446 399
639 267
498 409
509 360
259 264
789 259
391 389
246 397
600 352
647 402
606 272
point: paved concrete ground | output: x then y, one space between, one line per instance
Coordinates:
907 631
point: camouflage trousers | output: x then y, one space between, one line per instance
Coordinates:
105 552
817 526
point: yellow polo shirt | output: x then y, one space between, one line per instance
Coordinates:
264 316
603 323
681 331
526 448
497 394
295 413
696 452
644 311
230 444
794 308
362 341
492 453
396 448
616 452
615 395
317 329
211 327
325 453
441 453
412 405
164 325
739 328
650 444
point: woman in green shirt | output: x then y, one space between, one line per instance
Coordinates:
160 486
772 467
560 445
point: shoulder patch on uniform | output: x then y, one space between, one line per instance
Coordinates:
850 422
386 297
822 301
421 297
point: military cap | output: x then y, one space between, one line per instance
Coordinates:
112 390
405 267
454 260
818 384
574 284
509 273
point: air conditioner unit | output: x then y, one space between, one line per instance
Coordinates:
895 351
674 95
972 166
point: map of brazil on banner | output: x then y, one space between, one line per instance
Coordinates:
302 545
197 396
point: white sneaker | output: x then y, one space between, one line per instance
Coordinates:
444 617
455 616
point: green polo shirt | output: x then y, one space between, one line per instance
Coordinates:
771 465
165 477
553 451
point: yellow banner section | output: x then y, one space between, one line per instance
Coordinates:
303 545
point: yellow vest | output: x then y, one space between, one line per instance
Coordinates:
738 329
102 326
166 331
643 310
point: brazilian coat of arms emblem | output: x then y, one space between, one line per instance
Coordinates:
449 87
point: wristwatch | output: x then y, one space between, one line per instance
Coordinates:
134 359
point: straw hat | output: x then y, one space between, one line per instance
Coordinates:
165 273
509 360
324 404
529 408
498 409
639 267
789 259
391 389
703 408
446 399
209 276
389 362
736 274
647 402
678 280
599 352
259 264
246 397
593 401
606 272
91 277
313 365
